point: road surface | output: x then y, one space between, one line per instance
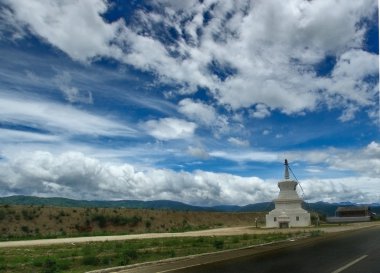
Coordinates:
349 252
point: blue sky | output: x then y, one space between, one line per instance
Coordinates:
194 101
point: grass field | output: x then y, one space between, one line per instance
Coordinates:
97 255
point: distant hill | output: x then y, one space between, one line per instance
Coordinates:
324 208
66 202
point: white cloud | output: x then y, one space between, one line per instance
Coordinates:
74 175
14 136
261 111
240 53
364 161
58 118
170 128
198 152
206 115
72 93
75 27
10 28
348 113
349 86
197 111
359 189
238 142
240 156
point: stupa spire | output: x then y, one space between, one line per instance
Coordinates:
286 176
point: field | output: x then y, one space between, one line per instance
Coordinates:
90 256
34 222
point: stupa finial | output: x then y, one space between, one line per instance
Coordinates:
286 176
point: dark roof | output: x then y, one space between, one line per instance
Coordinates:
357 208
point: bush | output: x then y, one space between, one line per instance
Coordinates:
50 266
27 215
2 263
90 259
2 215
134 220
245 237
101 219
131 253
25 229
121 221
316 233
218 244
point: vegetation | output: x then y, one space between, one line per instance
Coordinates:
96 255
37 222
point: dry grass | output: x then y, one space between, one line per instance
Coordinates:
49 222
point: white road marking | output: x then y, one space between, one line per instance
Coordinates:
350 264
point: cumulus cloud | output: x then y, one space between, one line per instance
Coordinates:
206 115
53 21
236 50
198 152
197 111
261 111
238 142
170 128
342 189
364 161
74 175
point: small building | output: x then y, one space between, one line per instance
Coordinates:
351 214
357 211
288 210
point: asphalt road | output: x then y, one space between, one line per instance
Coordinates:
348 252
353 252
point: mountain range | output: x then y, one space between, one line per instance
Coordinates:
323 208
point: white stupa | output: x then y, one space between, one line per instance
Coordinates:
288 211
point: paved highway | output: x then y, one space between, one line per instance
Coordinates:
355 252
348 252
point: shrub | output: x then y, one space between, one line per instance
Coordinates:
235 239
134 220
218 244
2 215
101 219
131 253
50 266
90 259
316 233
28 215
25 229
